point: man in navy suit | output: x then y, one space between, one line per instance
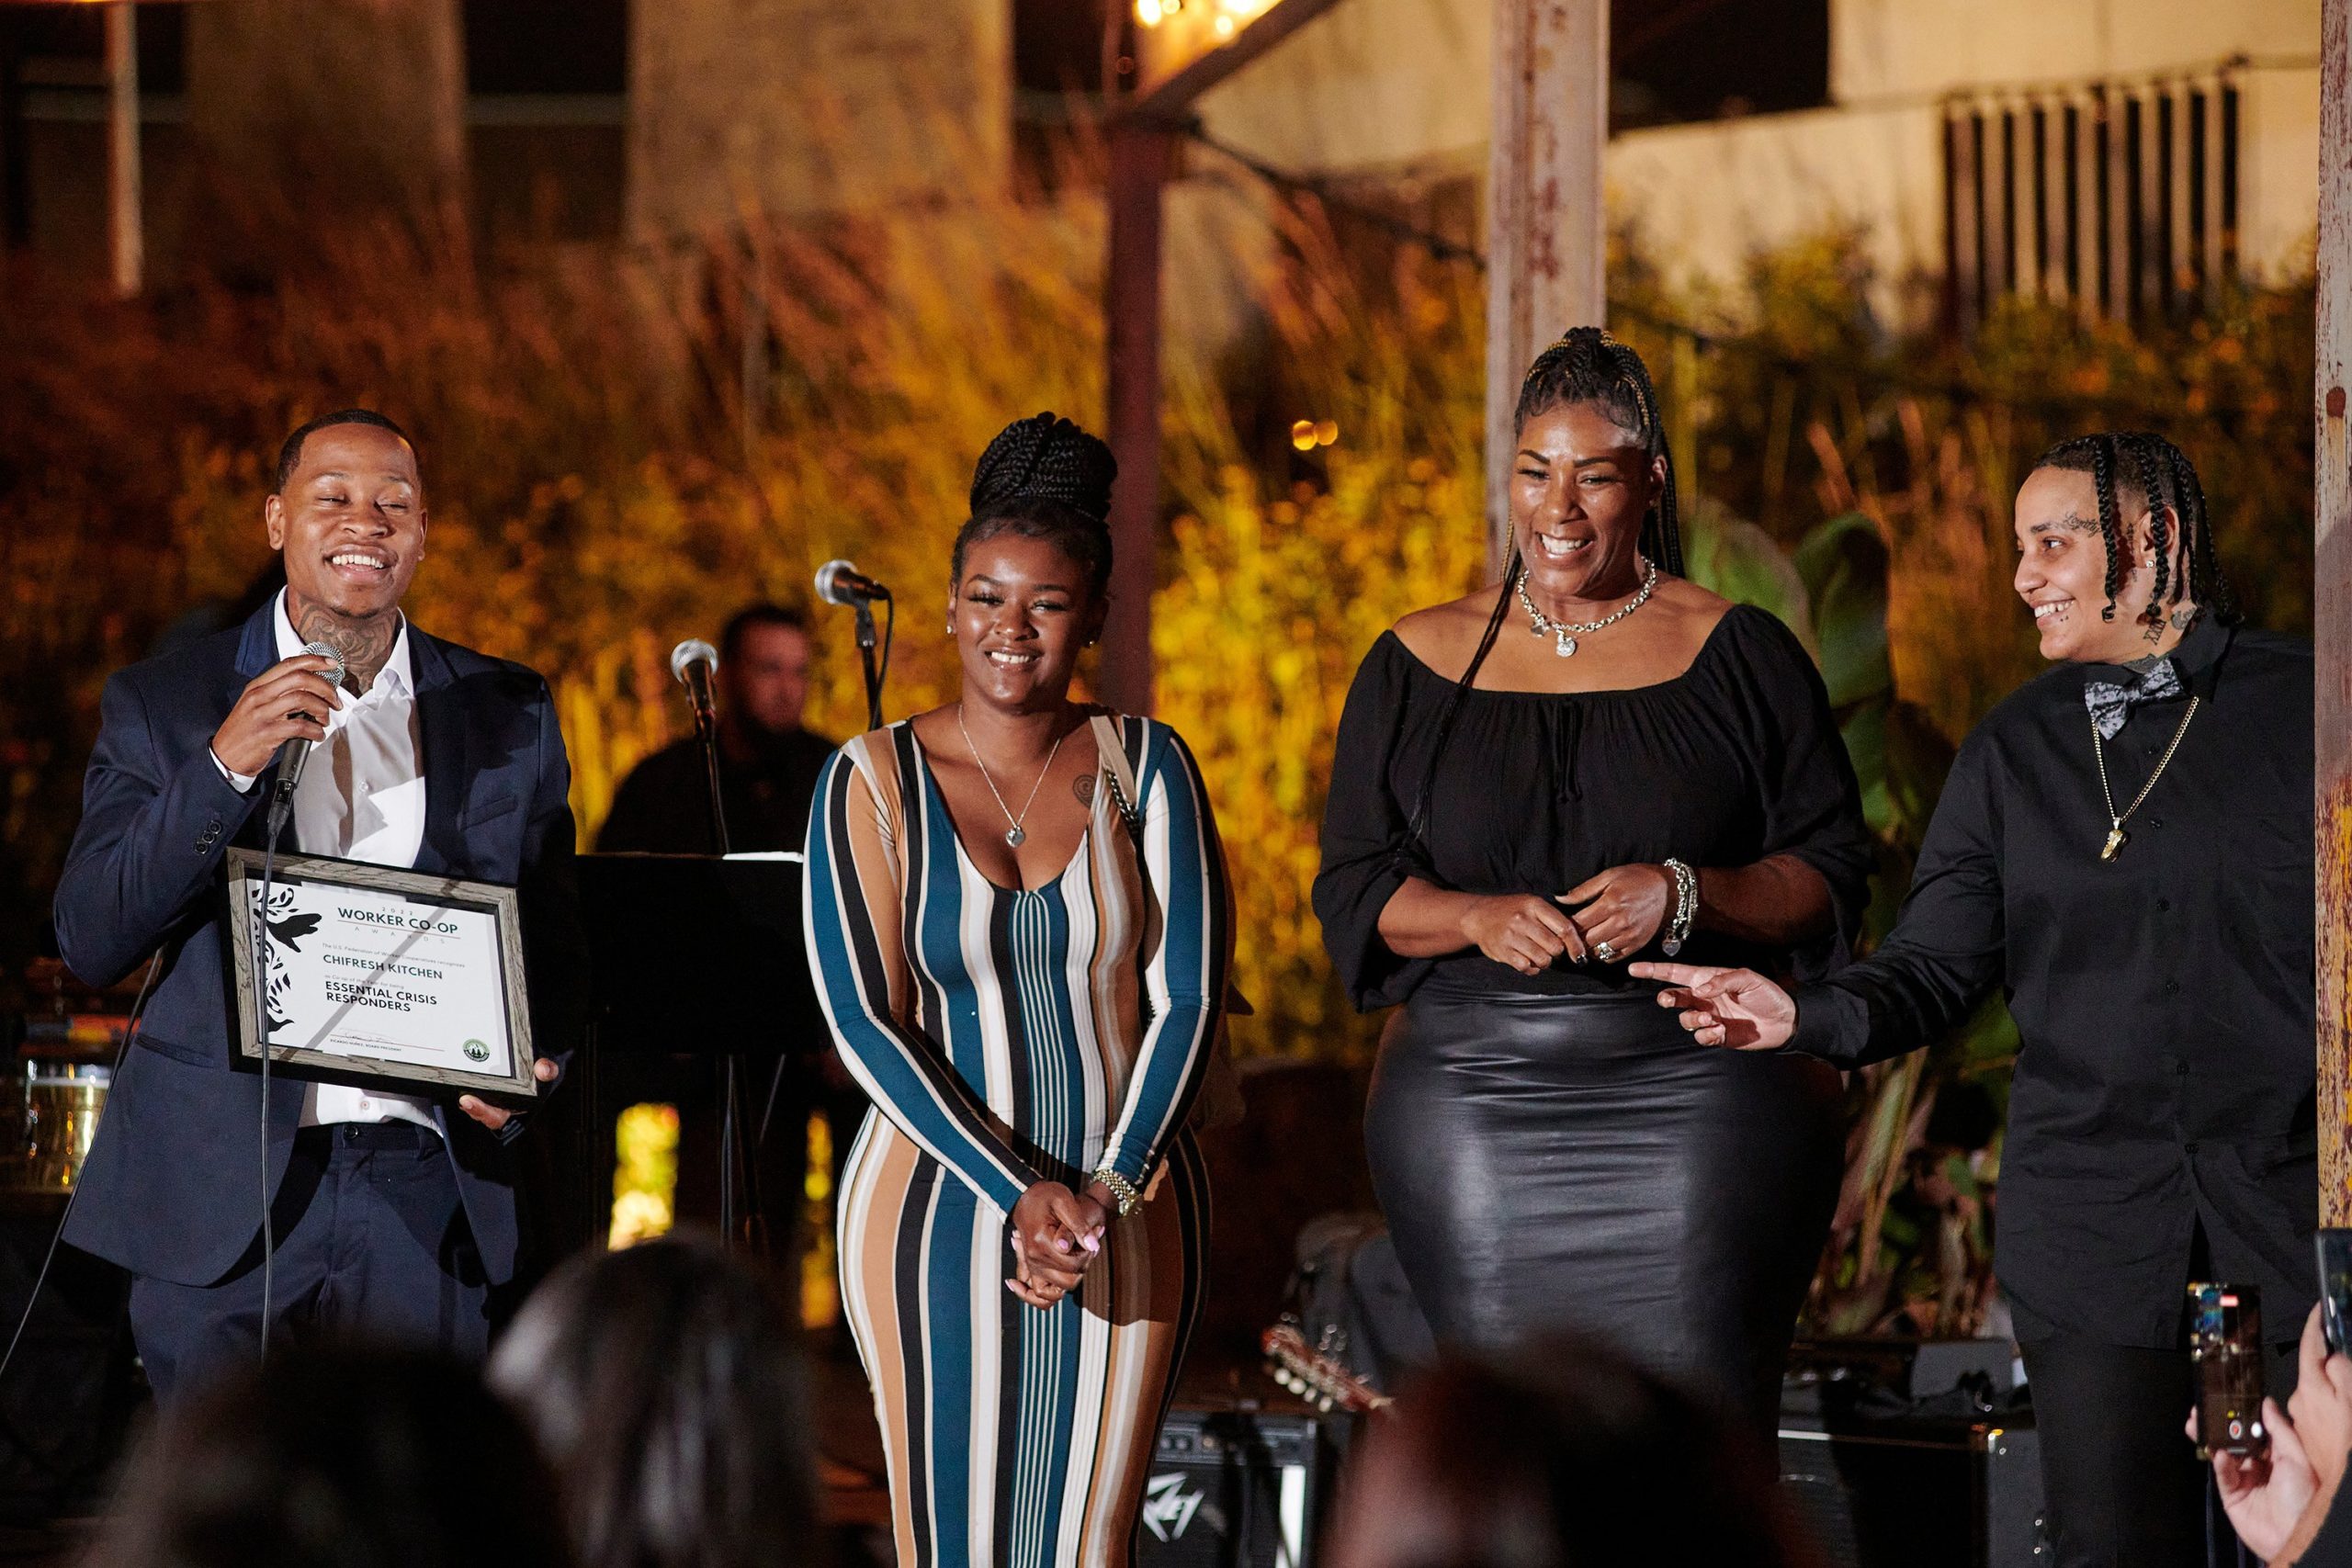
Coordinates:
393 1216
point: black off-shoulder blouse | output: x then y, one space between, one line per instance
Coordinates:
1733 761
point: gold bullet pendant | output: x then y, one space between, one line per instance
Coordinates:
2115 837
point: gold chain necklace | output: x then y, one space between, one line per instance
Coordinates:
1015 835
2116 837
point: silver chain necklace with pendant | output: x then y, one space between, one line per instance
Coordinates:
1564 634
1015 835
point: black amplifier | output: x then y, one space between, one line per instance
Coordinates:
1235 1486
1912 1454
1916 1494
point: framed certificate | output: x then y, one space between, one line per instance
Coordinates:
381 975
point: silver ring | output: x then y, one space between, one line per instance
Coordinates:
1605 952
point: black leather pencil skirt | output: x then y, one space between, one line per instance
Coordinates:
1579 1162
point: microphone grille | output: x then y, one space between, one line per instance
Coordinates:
827 576
327 650
694 651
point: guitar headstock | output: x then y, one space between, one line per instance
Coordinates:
1314 1376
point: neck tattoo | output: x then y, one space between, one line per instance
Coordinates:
365 644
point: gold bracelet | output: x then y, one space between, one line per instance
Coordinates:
1130 1200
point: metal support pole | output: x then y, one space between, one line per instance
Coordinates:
124 227
2332 605
1141 156
1547 241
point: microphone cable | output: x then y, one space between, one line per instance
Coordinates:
276 824
281 812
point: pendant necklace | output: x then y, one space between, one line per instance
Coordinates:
1564 634
2116 837
1015 835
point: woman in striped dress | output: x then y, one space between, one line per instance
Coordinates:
1018 923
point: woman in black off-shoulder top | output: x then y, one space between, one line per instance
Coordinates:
1533 785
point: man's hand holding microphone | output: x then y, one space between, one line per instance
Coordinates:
289 701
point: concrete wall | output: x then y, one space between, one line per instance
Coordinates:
1370 85
303 108
2279 172
1400 88
1703 198
795 106
1920 48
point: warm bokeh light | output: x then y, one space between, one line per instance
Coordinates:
645 1180
819 1289
1302 435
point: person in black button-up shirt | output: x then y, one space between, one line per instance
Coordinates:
2162 1124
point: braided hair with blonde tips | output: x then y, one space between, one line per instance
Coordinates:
1043 478
2166 481
1586 366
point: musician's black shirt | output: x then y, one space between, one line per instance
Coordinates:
2166 1080
663 807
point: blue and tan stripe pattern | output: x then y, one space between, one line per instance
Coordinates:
1007 1037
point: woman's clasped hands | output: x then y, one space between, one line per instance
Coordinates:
1604 919
1056 1234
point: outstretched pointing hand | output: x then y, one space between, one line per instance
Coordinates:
1737 1008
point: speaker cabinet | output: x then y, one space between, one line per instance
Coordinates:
1234 1487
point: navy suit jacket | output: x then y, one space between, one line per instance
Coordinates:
172 1189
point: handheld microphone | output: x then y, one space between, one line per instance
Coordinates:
839 582
692 663
296 754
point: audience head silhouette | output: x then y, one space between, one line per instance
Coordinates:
338 1458
1561 1456
665 1385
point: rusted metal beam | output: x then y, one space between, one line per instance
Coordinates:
1170 102
126 230
1143 136
2331 556
1141 155
1546 238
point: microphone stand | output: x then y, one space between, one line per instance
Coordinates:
866 640
706 732
740 1220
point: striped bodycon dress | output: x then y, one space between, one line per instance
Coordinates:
1007 1037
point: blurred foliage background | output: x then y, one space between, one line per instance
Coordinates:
621 447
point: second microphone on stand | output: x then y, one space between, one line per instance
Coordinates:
839 582
695 664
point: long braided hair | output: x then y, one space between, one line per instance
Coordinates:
1043 478
1586 366
2166 483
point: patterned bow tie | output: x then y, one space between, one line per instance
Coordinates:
2111 703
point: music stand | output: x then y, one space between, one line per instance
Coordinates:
695 954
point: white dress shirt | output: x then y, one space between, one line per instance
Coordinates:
361 797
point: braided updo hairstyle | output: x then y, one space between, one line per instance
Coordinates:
1586 366
2165 481
1043 478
